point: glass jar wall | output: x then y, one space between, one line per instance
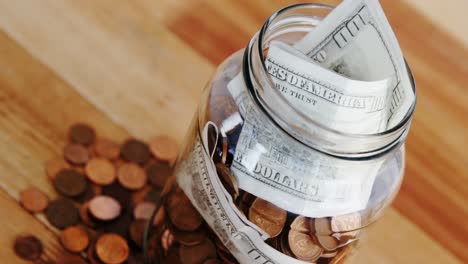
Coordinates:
258 183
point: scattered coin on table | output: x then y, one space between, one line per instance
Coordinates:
164 148
28 247
74 239
109 200
34 200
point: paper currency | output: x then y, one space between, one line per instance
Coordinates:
333 100
356 40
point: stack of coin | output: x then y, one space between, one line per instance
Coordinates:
108 194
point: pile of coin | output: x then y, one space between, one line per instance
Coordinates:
108 194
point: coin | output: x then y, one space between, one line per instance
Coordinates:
131 176
136 151
104 208
100 171
164 148
182 213
53 167
76 154
321 226
346 223
82 134
229 182
158 172
107 149
197 254
189 238
328 243
28 247
301 224
62 213
267 216
303 246
137 231
112 249
144 210
74 239
70 183
34 200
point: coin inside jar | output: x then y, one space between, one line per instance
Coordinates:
100 171
197 254
28 247
182 213
76 154
82 134
74 239
112 249
267 216
131 176
303 246
349 223
70 183
62 213
104 208
34 200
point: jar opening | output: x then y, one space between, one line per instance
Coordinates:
289 25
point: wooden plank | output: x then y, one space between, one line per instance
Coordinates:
95 38
139 63
448 15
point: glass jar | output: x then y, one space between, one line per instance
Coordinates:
260 182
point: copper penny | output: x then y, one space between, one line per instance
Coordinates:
34 200
137 231
197 254
107 149
182 213
349 223
53 167
158 172
303 246
164 148
268 217
104 208
112 249
100 171
82 134
229 182
62 213
301 224
76 154
74 239
28 247
321 226
189 238
328 243
70 183
131 176
144 210
136 151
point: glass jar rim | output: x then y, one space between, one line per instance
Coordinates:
397 132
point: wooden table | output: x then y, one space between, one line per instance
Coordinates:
138 67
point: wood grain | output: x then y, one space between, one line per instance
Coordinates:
138 67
